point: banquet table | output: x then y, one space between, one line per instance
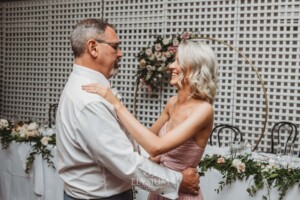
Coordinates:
235 191
43 182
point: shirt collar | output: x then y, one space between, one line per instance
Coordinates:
92 74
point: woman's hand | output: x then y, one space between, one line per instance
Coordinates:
103 91
155 159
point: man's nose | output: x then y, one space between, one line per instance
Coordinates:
120 53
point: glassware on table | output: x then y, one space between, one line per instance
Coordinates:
280 160
234 148
290 149
43 127
247 148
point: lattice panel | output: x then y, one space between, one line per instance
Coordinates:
136 23
63 15
1 58
36 57
268 32
25 91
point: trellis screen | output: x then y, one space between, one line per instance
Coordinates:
36 57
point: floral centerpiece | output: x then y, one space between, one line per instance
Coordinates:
27 132
155 59
244 167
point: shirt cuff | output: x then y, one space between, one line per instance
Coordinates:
173 195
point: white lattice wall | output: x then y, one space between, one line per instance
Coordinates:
36 57
1 59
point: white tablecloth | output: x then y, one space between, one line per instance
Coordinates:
235 191
42 183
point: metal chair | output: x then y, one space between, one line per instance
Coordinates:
52 114
220 127
280 125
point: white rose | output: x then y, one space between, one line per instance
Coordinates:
157 47
143 63
32 133
239 165
148 52
166 41
163 58
23 130
175 42
268 168
148 76
14 132
148 67
45 140
33 126
157 54
152 57
3 123
160 69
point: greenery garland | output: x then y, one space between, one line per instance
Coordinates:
244 167
27 132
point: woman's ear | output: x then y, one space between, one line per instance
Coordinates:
91 48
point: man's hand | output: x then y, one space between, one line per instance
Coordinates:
190 181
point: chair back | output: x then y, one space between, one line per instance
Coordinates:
221 127
280 126
52 114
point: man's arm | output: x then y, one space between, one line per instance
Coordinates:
102 139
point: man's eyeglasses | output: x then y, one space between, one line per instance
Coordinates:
115 46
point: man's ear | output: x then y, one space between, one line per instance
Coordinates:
91 48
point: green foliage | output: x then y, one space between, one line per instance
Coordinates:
27 133
261 174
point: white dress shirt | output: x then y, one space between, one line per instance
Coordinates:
95 156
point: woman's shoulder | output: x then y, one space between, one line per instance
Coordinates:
203 106
172 101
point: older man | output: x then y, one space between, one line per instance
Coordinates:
96 159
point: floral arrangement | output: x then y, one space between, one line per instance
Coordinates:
243 167
155 59
29 132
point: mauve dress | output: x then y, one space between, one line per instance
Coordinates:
187 155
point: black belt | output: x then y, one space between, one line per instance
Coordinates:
127 195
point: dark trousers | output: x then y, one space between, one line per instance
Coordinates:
127 195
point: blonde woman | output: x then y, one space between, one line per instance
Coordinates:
179 136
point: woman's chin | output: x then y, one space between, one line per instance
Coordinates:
174 84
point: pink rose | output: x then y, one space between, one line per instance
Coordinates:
221 160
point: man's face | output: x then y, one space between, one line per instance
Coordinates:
109 53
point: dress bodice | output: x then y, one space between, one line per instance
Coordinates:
186 155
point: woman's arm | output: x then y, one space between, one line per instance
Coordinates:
154 145
164 116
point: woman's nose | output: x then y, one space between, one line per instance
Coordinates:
172 66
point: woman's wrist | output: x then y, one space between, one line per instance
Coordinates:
118 105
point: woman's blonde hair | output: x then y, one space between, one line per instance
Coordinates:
201 61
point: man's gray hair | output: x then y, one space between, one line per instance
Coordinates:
84 30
